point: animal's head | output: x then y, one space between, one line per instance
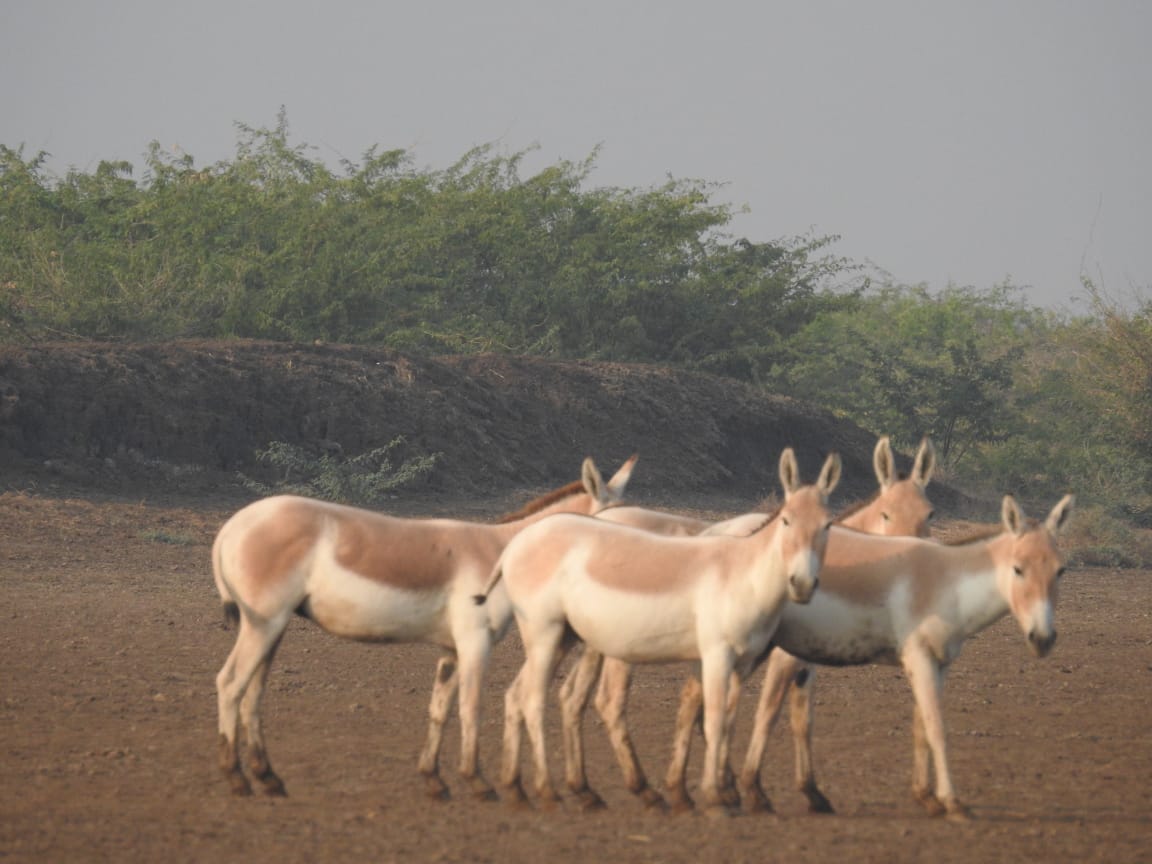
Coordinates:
1030 578
903 505
608 494
802 523
901 508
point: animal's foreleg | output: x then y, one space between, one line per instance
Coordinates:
716 669
611 703
727 777
927 684
573 701
922 764
473 656
800 713
779 674
250 721
443 693
687 714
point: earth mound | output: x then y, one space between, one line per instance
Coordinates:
192 413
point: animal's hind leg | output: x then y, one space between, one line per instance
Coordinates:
573 701
800 708
443 693
473 658
543 648
250 722
778 675
687 715
611 701
253 645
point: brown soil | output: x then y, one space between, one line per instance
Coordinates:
111 636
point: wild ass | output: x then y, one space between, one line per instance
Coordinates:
370 577
647 598
900 508
913 603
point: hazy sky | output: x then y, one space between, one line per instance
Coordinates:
944 142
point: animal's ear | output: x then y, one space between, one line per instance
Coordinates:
619 481
882 463
789 472
592 480
925 463
830 474
1060 514
1011 515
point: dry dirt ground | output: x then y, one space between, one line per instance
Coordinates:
111 635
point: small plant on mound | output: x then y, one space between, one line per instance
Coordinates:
1099 539
365 479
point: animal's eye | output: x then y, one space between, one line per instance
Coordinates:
931 515
885 517
1018 570
1061 572
786 521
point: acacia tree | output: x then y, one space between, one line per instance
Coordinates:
906 362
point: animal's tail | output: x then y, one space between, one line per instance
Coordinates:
230 606
231 613
497 574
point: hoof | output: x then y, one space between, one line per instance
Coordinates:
239 785
719 811
513 795
435 788
817 802
957 812
652 800
754 800
589 801
931 804
682 804
547 798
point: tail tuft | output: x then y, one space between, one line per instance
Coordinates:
231 613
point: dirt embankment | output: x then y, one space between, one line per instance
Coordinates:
196 412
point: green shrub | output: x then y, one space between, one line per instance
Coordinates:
363 480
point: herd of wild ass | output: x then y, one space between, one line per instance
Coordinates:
785 590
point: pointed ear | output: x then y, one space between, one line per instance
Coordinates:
830 474
789 472
619 481
1011 515
1060 514
592 480
882 463
925 463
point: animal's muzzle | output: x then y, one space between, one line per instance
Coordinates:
1041 643
801 588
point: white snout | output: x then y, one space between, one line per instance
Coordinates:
1039 629
803 577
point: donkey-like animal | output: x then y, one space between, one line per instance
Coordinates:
647 598
899 508
913 603
370 577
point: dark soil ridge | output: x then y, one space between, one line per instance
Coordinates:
181 412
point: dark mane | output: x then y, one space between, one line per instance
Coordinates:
772 514
853 509
545 500
977 535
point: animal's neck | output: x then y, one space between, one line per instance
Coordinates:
866 519
980 599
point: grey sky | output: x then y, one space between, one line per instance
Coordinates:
944 142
